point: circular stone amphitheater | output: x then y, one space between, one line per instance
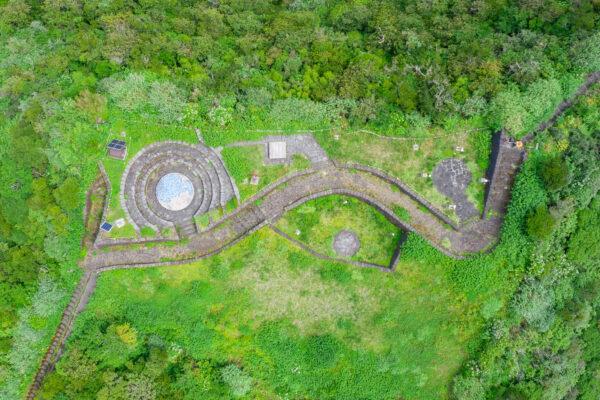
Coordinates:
167 184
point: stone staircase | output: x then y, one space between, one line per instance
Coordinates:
510 159
77 304
187 228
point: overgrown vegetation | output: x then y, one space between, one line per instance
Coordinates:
264 318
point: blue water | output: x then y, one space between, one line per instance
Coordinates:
172 186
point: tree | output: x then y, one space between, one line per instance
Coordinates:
555 173
584 243
534 302
540 223
15 12
77 368
67 194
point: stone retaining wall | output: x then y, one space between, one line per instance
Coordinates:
490 174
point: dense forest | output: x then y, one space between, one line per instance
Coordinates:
391 66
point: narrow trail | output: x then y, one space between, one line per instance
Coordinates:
564 106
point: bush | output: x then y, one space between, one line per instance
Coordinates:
167 100
129 94
239 382
555 173
535 303
540 223
468 389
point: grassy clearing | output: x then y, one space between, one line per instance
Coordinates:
321 219
243 162
301 327
397 158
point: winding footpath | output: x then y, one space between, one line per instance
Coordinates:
371 186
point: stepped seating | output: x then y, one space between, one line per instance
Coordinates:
212 184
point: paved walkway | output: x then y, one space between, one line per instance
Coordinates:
276 201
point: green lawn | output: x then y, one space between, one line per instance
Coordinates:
321 219
243 162
299 326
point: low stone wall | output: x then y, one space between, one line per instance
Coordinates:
106 201
383 209
186 260
408 191
326 257
398 252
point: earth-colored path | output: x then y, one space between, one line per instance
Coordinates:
290 192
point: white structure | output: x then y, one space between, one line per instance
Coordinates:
415 147
277 150
120 223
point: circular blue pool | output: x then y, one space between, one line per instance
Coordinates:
174 191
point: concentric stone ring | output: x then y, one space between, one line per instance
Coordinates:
167 184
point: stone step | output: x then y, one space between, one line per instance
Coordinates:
187 229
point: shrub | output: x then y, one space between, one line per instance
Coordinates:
237 380
402 213
167 100
220 116
555 173
468 389
540 223
535 303
129 94
127 334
